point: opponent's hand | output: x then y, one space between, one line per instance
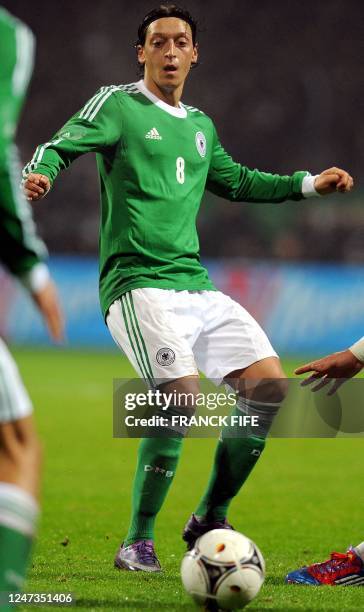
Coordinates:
49 306
36 186
333 179
335 369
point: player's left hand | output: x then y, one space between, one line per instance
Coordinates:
336 369
333 179
49 306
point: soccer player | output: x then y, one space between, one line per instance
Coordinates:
155 157
23 254
342 568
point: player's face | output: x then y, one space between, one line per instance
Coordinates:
168 52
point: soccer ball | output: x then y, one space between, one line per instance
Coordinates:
224 571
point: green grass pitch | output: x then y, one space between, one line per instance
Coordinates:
303 500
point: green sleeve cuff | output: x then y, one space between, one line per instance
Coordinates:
297 183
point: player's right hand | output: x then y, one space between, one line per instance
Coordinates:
336 369
36 186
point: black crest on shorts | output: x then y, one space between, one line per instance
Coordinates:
165 356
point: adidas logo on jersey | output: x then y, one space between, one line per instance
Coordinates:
153 134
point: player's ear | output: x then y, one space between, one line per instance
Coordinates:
140 54
194 59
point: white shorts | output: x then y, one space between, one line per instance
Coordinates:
14 400
167 334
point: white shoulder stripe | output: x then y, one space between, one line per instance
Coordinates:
93 105
129 90
91 102
90 105
192 109
101 101
132 85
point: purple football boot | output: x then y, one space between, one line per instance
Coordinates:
195 528
138 557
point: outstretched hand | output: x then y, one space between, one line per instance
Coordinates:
36 186
336 369
332 180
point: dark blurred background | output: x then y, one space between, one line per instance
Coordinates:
282 80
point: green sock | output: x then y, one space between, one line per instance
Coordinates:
13 567
233 462
18 514
156 466
234 459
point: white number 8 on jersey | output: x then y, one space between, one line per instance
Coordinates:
180 170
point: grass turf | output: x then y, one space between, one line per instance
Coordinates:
302 501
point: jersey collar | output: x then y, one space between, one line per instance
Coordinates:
180 112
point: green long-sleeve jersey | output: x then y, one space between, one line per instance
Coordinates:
20 247
155 162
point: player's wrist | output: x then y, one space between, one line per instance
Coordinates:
308 186
358 350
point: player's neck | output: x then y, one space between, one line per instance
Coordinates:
169 96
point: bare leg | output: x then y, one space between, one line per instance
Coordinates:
20 455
